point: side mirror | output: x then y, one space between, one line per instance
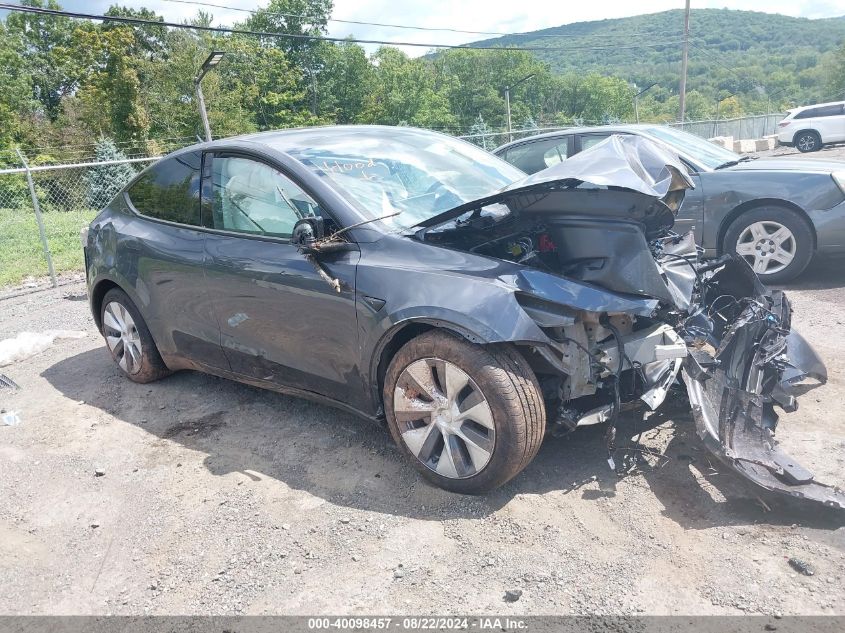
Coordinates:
306 233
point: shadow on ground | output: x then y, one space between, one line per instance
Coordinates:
823 273
350 462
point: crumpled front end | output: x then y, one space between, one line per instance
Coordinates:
630 311
745 361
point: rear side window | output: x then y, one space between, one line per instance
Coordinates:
831 110
170 190
536 156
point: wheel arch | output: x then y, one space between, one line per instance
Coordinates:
392 341
97 294
807 129
758 203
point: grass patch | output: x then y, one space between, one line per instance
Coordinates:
20 246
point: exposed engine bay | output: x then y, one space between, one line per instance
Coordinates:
644 314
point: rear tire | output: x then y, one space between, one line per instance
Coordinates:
470 418
128 339
807 141
755 236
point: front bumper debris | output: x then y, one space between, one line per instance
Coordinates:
735 384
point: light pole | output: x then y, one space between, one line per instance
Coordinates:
207 65
508 101
637 100
718 103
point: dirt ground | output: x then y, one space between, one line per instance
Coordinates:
218 498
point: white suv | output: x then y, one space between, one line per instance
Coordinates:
810 127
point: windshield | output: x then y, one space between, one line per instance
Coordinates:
695 147
416 172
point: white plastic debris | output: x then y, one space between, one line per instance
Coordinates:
28 344
10 418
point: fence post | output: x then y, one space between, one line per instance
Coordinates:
38 219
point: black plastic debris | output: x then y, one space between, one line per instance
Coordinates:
512 595
7 383
801 567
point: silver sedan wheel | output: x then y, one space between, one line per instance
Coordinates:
122 337
443 418
768 246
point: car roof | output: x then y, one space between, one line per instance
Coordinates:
815 105
290 139
632 128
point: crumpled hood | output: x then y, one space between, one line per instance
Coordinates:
628 161
624 163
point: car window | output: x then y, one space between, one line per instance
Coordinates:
536 156
588 140
170 190
249 196
823 111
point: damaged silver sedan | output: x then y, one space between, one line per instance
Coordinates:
417 280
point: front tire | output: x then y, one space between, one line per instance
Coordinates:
807 141
470 418
776 242
128 339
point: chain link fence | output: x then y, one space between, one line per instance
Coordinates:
57 201
741 127
74 187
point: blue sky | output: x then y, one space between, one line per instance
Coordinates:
477 15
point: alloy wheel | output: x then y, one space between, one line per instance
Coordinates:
444 418
768 246
122 337
806 142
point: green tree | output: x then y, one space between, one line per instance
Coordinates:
479 133
103 183
297 18
348 79
835 84
47 52
405 90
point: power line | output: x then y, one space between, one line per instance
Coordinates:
297 36
399 26
715 60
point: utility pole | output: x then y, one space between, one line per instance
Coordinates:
683 95
207 65
508 101
637 99
508 108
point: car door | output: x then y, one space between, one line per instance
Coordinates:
691 213
834 124
161 255
281 322
534 156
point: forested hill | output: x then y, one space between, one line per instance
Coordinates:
733 51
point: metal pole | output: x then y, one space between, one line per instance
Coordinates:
508 106
203 113
37 208
684 59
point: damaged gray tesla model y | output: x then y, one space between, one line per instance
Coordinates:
411 277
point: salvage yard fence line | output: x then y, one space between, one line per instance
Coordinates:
86 187
44 193
756 126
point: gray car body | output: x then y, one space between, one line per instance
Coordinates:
722 195
209 296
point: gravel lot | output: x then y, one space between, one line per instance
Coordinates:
224 499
